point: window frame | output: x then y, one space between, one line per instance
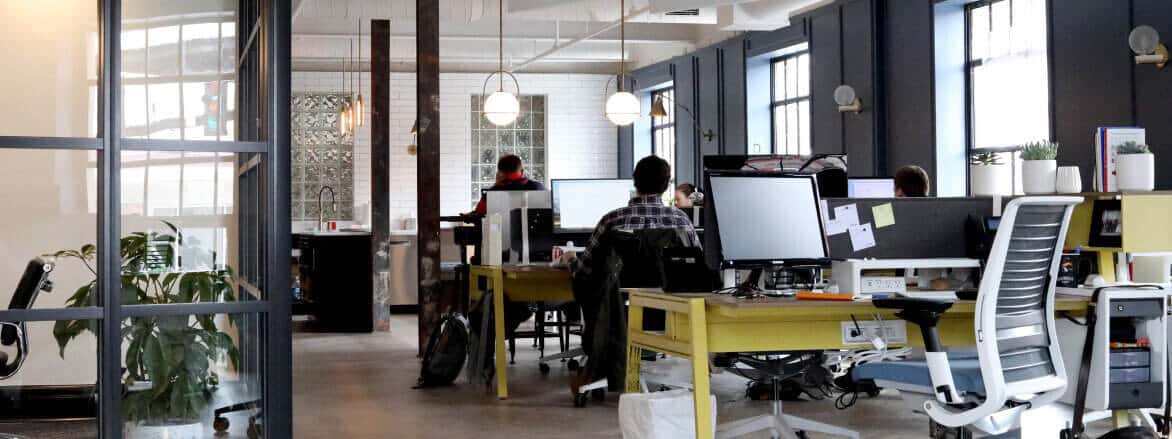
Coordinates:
775 103
669 92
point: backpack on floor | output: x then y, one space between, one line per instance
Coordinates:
446 350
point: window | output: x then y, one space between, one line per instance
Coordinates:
663 129
1008 83
525 138
791 102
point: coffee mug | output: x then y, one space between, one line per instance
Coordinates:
1069 181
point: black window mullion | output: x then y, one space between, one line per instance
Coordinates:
109 227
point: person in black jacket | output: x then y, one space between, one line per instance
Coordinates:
510 176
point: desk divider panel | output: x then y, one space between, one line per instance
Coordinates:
923 228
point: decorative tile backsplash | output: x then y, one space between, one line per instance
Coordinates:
524 138
321 157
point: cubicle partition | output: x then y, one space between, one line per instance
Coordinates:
920 227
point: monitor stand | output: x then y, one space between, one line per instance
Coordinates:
750 288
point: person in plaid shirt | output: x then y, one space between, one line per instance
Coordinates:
645 211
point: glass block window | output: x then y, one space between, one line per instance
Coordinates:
321 157
524 138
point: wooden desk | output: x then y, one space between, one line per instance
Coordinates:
700 324
533 283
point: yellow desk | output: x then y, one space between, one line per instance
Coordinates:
535 283
700 324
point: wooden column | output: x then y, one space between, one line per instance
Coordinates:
427 102
380 157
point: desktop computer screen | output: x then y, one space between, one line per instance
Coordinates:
766 219
871 188
579 204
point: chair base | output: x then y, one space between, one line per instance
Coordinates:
781 425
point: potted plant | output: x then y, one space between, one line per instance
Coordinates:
1135 168
169 375
1039 167
985 171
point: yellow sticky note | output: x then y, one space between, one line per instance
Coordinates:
883 214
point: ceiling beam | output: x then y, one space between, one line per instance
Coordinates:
558 47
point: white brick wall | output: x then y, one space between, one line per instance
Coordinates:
582 143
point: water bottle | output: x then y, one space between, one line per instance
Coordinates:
296 288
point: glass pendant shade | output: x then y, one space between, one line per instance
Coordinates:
622 108
344 119
501 108
359 112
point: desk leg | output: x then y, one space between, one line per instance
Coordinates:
701 388
498 312
634 353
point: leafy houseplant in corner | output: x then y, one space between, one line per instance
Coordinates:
170 363
1135 168
986 172
1039 167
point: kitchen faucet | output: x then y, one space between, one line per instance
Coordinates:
321 213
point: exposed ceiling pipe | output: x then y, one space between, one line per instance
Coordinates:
558 47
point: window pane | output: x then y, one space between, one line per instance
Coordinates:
53 379
779 81
804 126
979 43
1010 96
201 48
804 75
51 58
779 130
192 192
54 211
791 78
223 366
163 110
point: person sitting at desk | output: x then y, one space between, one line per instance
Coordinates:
688 196
510 176
911 181
646 211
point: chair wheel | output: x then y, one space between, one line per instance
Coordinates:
221 424
801 434
544 368
873 392
598 394
580 400
573 365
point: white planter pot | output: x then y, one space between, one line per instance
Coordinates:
1135 172
138 430
1037 176
986 179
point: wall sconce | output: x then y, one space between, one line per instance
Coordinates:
848 101
1145 42
412 148
659 110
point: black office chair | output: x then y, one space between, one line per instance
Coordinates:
622 260
34 280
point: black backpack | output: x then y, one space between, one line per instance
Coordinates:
446 350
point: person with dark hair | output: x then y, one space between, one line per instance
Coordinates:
645 211
510 176
912 181
687 195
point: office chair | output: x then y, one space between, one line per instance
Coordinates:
34 280
775 369
1018 364
623 259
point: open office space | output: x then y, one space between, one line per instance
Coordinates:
585 218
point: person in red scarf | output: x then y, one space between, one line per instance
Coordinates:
510 176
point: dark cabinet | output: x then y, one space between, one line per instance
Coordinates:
336 280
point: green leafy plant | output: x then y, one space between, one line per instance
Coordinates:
985 159
1040 150
1133 148
168 359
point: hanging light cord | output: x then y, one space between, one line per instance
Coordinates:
622 43
501 45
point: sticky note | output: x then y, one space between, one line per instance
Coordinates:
847 215
862 237
884 215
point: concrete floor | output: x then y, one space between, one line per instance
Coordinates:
359 386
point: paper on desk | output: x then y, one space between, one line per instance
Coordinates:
862 237
884 215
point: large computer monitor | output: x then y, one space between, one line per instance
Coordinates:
578 204
767 219
870 188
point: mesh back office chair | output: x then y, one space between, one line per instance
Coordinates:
34 280
1018 364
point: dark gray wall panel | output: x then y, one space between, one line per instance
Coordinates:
651 76
1153 90
708 107
760 43
907 80
858 67
825 75
1091 76
732 82
683 71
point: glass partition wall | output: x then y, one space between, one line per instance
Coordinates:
144 168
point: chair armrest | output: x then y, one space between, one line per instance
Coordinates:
925 313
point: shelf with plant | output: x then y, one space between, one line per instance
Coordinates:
169 376
1135 167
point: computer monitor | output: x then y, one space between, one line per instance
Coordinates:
578 204
870 188
767 220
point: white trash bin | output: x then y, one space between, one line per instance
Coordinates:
660 415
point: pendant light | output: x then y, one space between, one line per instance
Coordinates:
350 94
501 107
344 108
359 108
622 108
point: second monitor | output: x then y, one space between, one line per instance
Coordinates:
579 204
870 187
